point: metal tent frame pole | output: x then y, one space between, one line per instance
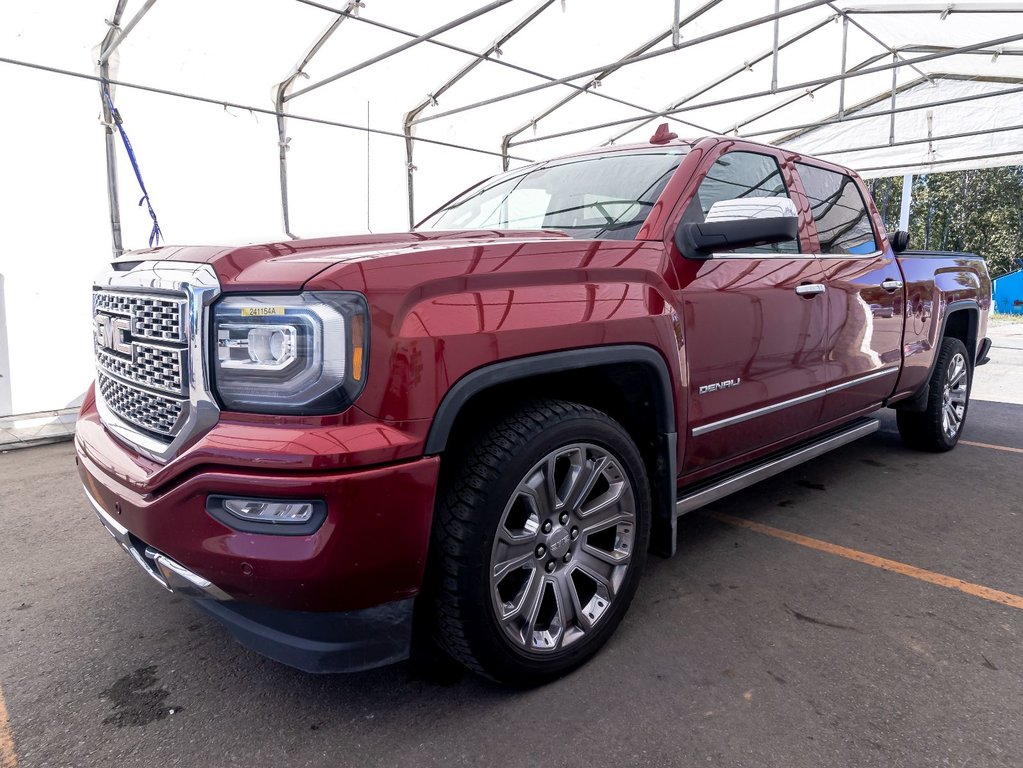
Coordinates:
781 89
809 93
403 47
845 51
506 140
945 9
794 131
923 140
907 200
996 52
593 78
872 36
457 49
943 162
635 60
895 91
114 37
280 94
109 46
744 67
468 52
431 99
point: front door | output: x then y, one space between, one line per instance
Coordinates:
754 321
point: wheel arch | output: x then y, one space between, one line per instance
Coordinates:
629 382
961 320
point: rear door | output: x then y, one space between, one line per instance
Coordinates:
755 320
864 297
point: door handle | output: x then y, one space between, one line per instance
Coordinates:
811 289
891 285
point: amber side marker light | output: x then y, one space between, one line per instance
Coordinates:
358 340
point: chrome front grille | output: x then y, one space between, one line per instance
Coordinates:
149 366
151 383
152 412
140 348
152 317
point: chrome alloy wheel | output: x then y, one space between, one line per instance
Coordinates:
563 547
957 382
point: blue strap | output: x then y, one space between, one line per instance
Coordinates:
155 234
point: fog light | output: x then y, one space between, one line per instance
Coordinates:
270 517
270 511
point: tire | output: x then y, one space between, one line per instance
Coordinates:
940 425
527 584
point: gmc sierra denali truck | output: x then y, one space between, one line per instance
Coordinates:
481 427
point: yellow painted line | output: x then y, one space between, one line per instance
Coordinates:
949 582
992 447
8 759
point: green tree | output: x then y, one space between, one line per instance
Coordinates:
980 211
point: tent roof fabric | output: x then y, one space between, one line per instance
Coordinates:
885 88
737 67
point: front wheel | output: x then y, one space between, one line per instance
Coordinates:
939 427
540 540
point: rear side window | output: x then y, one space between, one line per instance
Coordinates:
843 224
733 180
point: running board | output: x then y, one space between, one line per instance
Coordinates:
768 468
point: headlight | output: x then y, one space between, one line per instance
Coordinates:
290 354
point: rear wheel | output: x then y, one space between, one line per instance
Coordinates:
541 537
939 427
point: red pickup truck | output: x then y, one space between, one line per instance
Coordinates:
481 427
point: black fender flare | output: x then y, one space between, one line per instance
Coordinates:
663 481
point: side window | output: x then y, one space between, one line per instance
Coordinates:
843 224
744 185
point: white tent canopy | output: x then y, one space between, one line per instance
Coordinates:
885 88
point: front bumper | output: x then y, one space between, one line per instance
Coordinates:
171 575
336 599
320 642
370 549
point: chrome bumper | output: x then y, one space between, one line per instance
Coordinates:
171 575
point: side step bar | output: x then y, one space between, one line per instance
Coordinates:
744 478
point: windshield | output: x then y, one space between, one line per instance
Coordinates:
605 196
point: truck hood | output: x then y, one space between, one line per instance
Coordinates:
289 264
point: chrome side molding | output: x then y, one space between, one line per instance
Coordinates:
775 407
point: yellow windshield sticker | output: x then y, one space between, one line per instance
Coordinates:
261 311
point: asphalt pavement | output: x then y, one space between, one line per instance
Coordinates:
770 645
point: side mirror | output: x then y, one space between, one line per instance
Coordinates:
899 240
700 241
741 223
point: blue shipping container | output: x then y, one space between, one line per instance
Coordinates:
1008 290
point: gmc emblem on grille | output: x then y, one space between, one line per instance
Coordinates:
112 333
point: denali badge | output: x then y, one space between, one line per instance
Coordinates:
111 333
720 385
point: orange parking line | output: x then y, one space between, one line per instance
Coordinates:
949 582
8 759
992 447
